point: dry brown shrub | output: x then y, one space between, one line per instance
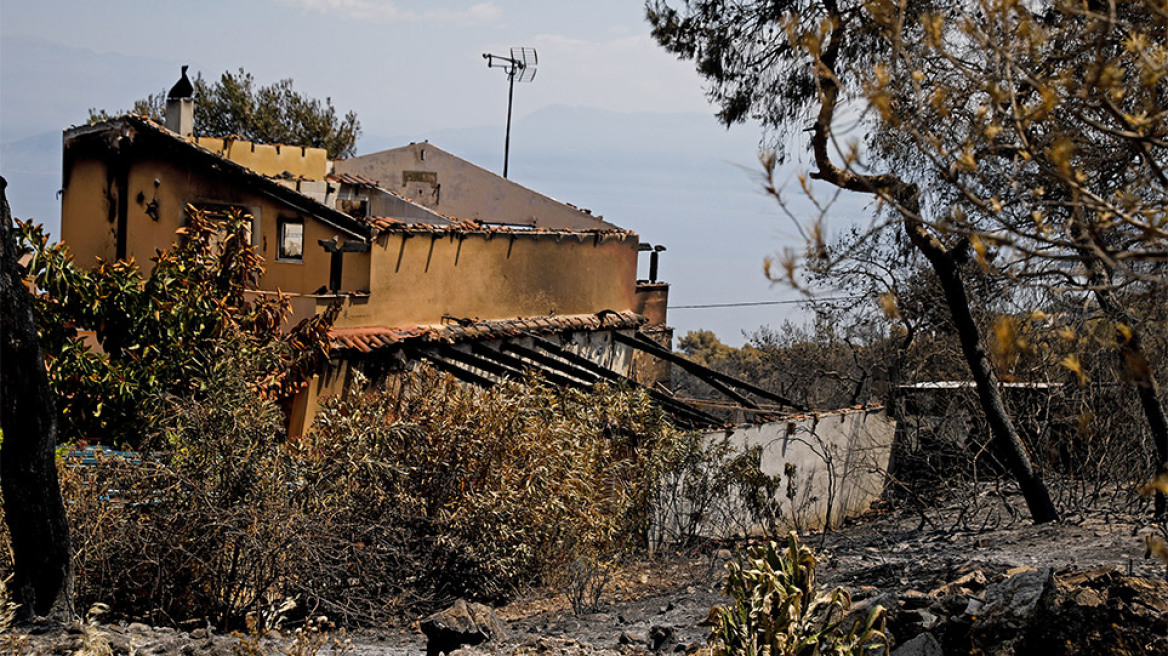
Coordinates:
395 501
485 491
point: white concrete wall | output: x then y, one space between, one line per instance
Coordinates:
840 461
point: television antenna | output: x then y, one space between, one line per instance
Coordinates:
520 67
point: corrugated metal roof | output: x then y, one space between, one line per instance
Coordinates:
368 339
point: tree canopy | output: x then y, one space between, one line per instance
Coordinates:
278 114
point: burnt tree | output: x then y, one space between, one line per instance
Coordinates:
33 508
774 60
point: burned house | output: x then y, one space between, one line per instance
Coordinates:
431 258
413 283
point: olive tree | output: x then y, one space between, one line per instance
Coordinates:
1042 132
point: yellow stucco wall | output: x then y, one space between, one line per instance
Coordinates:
412 277
88 225
418 279
271 160
89 212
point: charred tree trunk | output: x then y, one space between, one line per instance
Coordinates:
1140 372
906 201
33 509
1101 276
988 390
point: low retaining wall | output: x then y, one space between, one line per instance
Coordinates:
829 466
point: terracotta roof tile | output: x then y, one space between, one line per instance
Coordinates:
382 223
366 339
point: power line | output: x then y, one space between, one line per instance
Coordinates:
756 303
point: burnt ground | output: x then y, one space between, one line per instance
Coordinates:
882 553
662 601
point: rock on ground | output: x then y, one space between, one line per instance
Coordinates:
922 645
461 624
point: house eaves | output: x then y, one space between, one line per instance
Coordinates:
369 339
482 353
387 225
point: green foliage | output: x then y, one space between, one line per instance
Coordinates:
153 106
157 330
777 610
276 114
704 347
831 363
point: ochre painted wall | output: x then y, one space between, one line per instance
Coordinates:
89 226
89 211
653 302
411 278
417 279
271 159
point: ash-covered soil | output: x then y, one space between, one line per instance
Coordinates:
946 578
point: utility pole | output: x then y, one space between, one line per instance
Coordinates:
520 67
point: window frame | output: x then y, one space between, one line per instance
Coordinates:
281 226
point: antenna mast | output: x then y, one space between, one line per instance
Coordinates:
520 67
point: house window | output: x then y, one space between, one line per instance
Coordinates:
291 240
220 217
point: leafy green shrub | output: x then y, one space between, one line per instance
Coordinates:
157 329
777 609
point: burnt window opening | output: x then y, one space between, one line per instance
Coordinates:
336 267
290 240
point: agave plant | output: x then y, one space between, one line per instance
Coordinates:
777 610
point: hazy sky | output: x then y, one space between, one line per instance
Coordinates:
622 126
403 66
